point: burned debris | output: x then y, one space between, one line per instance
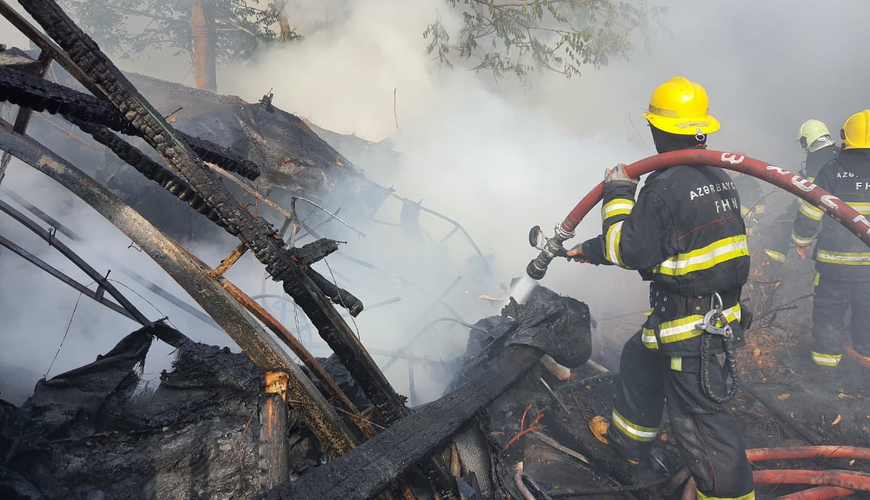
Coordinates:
275 421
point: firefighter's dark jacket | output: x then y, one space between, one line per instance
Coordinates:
815 161
686 235
839 254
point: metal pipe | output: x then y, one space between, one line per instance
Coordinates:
92 273
75 285
145 282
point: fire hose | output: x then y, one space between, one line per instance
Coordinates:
793 183
836 208
834 484
818 493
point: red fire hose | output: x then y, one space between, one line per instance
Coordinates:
839 479
852 353
798 452
835 483
818 493
793 183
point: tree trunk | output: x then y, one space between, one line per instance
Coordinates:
204 41
287 34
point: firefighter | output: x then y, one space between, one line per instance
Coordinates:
842 260
685 235
816 140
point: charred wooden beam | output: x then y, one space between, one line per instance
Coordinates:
257 344
47 45
39 95
75 285
231 259
22 119
338 396
370 468
254 232
149 168
274 449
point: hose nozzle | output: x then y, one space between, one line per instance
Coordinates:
550 249
537 268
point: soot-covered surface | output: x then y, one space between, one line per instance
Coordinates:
91 434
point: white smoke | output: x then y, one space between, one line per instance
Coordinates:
500 156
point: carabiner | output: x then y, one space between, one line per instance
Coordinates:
716 315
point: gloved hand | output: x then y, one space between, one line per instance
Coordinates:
803 252
576 254
617 173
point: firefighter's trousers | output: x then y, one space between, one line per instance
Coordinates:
706 433
832 301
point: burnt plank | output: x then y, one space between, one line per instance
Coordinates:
371 467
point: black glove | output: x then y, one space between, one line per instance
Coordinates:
576 254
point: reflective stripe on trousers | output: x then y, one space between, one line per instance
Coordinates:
632 430
826 359
844 258
800 240
748 496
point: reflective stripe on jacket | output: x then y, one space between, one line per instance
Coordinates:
684 233
778 247
839 254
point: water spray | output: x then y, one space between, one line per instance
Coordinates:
553 247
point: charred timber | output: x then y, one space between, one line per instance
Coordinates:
196 280
147 167
255 232
335 293
274 446
48 46
371 467
41 95
316 251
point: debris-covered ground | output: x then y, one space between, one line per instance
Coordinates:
96 432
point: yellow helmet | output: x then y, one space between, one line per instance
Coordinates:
680 106
856 131
811 131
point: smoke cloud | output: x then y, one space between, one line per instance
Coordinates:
497 156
